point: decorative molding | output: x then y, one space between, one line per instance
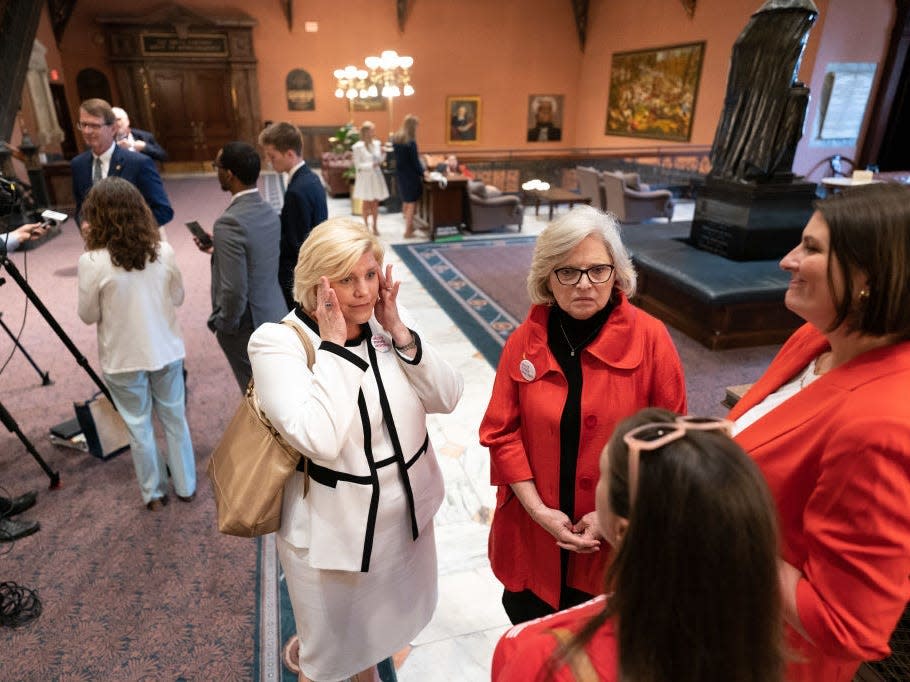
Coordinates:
402 8
580 10
287 6
60 11
689 6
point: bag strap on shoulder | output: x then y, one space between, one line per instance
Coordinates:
305 340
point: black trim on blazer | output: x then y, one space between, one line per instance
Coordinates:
329 346
416 359
330 477
374 498
393 436
344 353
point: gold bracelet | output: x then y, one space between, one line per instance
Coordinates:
407 346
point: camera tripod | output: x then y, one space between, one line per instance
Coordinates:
81 360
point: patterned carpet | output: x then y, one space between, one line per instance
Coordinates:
126 594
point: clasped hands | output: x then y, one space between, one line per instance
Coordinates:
583 537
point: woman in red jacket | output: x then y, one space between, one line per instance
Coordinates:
692 593
829 425
583 359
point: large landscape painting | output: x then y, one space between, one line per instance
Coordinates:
652 92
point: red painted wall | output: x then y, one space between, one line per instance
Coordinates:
501 51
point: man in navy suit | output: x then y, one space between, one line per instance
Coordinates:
134 139
104 158
304 201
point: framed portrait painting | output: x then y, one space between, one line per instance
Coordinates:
652 92
368 103
545 118
462 120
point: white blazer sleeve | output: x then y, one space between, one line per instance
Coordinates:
437 383
312 410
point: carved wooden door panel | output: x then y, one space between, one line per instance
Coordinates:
192 108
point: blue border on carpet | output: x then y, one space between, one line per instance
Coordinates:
257 631
476 313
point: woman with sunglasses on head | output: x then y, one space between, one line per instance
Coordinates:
829 425
583 359
692 593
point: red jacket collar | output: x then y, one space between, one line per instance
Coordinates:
617 344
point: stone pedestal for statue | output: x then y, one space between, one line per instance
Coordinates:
747 221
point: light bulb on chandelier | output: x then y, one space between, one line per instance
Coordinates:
387 76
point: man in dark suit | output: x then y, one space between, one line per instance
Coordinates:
134 139
245 290
304 201
546 128
104 158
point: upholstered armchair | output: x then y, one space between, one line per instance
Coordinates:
333 167
590 185
491 209
633 201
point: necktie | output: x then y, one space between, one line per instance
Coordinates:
96 171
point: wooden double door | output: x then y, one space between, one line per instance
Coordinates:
192 109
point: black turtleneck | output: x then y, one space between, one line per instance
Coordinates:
565 334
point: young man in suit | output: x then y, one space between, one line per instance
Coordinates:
104 158
134 139
245 290
304 202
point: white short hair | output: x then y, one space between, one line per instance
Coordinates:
564 234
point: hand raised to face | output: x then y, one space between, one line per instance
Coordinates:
332 326
386 310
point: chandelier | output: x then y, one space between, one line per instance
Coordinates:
387 75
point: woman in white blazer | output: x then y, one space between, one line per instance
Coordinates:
357 547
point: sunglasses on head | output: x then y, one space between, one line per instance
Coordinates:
650 437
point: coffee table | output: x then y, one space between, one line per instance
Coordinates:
553 197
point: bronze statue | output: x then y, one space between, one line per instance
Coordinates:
765 105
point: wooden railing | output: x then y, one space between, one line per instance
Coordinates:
673 166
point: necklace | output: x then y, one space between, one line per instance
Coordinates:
814 370
584 342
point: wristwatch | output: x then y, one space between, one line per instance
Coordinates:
408 346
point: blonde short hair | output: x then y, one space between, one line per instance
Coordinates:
331 250
564 234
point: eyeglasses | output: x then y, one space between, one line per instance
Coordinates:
597 274
83 125
650 437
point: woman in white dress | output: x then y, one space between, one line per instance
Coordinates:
369 185
357 544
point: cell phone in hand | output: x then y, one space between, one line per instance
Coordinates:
205 239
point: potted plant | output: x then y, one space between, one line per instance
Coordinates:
343 141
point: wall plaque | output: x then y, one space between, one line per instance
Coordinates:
193 45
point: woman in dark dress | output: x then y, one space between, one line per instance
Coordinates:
408 169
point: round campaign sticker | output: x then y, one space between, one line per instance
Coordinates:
527 370
381 343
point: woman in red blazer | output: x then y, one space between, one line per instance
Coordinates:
584 359
829 425
692 593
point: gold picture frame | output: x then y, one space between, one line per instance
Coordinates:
462 119
653 92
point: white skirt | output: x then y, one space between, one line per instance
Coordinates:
348 621
369 185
